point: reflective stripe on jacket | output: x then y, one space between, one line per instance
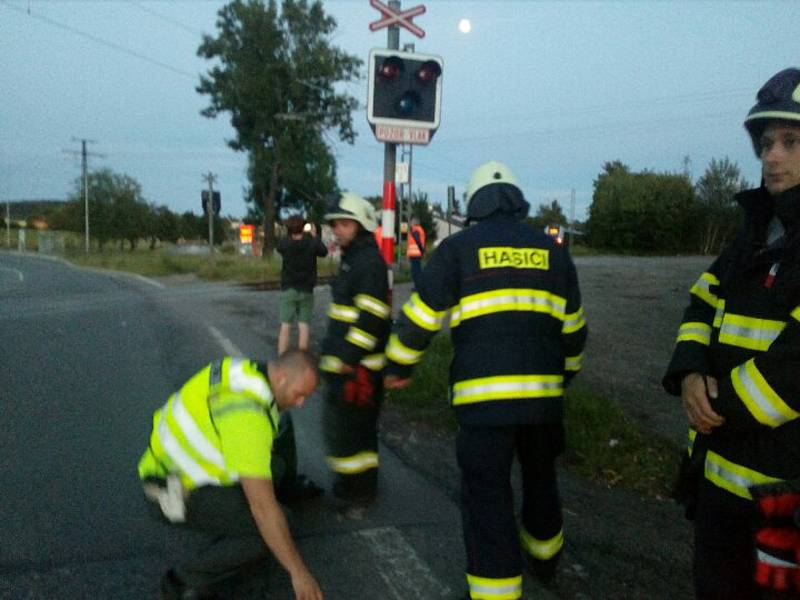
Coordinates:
742 327
516 321
185 440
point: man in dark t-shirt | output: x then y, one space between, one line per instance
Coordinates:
299 251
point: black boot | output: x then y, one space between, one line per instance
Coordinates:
174 588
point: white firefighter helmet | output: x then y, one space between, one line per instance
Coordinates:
352 206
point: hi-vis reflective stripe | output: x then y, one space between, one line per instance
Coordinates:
702 291
422 314
796 314
573 363
400 353
732 477
769 559
758 396
484 588
720 313
372 305
510 299
690 446
750 333
507 387
695 331
330 364
361 338
541 549
358 463
374 362
342 312
573 322
176 452
243 378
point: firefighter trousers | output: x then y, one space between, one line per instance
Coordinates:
495 546
350 425
724 547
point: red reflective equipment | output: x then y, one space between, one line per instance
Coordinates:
391 68
429 72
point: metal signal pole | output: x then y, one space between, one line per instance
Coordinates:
389 164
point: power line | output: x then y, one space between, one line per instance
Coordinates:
170 20
98 40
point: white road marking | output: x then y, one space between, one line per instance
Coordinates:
404 573
152 282
228 346
17 271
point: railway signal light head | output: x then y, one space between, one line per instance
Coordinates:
405 89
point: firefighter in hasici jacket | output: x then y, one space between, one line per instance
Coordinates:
518 333
352 359
735 365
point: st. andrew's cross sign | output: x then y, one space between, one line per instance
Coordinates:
402 18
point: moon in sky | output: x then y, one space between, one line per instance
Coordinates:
464 26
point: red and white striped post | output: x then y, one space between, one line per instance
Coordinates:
388 224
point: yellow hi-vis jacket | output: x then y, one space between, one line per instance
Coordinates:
217 428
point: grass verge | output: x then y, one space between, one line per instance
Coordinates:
603 444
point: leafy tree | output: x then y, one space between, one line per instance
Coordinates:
646 212
715 190
117 209
548 214
276 72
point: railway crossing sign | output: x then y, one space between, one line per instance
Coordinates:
402 18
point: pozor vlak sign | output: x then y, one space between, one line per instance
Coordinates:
404 95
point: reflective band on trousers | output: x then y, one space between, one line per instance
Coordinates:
361 338
508 387
766 406
195 439
511 299
769 559
732 477
342 312
372 305
541 549
750 333
358 463
423 315
702 291
484 588
695 331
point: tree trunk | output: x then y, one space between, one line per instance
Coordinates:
269 212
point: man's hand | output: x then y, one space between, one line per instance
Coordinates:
696 392
393 382
305 586
313 230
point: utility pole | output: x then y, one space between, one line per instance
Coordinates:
85 173
8 223
210 178
571 217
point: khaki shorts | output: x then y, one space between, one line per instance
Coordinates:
296 305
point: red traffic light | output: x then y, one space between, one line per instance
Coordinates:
391 68
429 72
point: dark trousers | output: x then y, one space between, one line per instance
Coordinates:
416 269
486 455
350 425
724 550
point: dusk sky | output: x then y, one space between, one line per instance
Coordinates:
553 89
